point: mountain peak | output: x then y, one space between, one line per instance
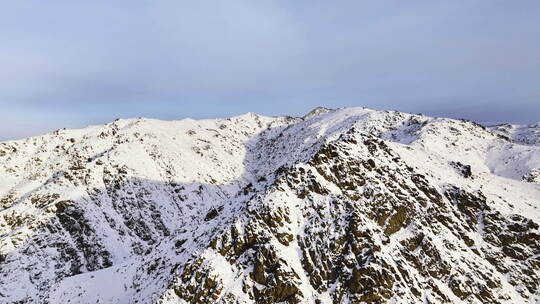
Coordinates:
317 111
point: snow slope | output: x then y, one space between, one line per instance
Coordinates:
339 206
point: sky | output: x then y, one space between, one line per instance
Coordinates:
77 63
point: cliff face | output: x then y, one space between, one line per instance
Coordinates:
340 206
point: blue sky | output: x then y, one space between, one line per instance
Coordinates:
75 63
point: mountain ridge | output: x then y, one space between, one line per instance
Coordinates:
240 210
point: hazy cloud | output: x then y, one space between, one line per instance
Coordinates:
68 64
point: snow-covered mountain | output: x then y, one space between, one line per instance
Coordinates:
339 206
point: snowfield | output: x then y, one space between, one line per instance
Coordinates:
340 206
